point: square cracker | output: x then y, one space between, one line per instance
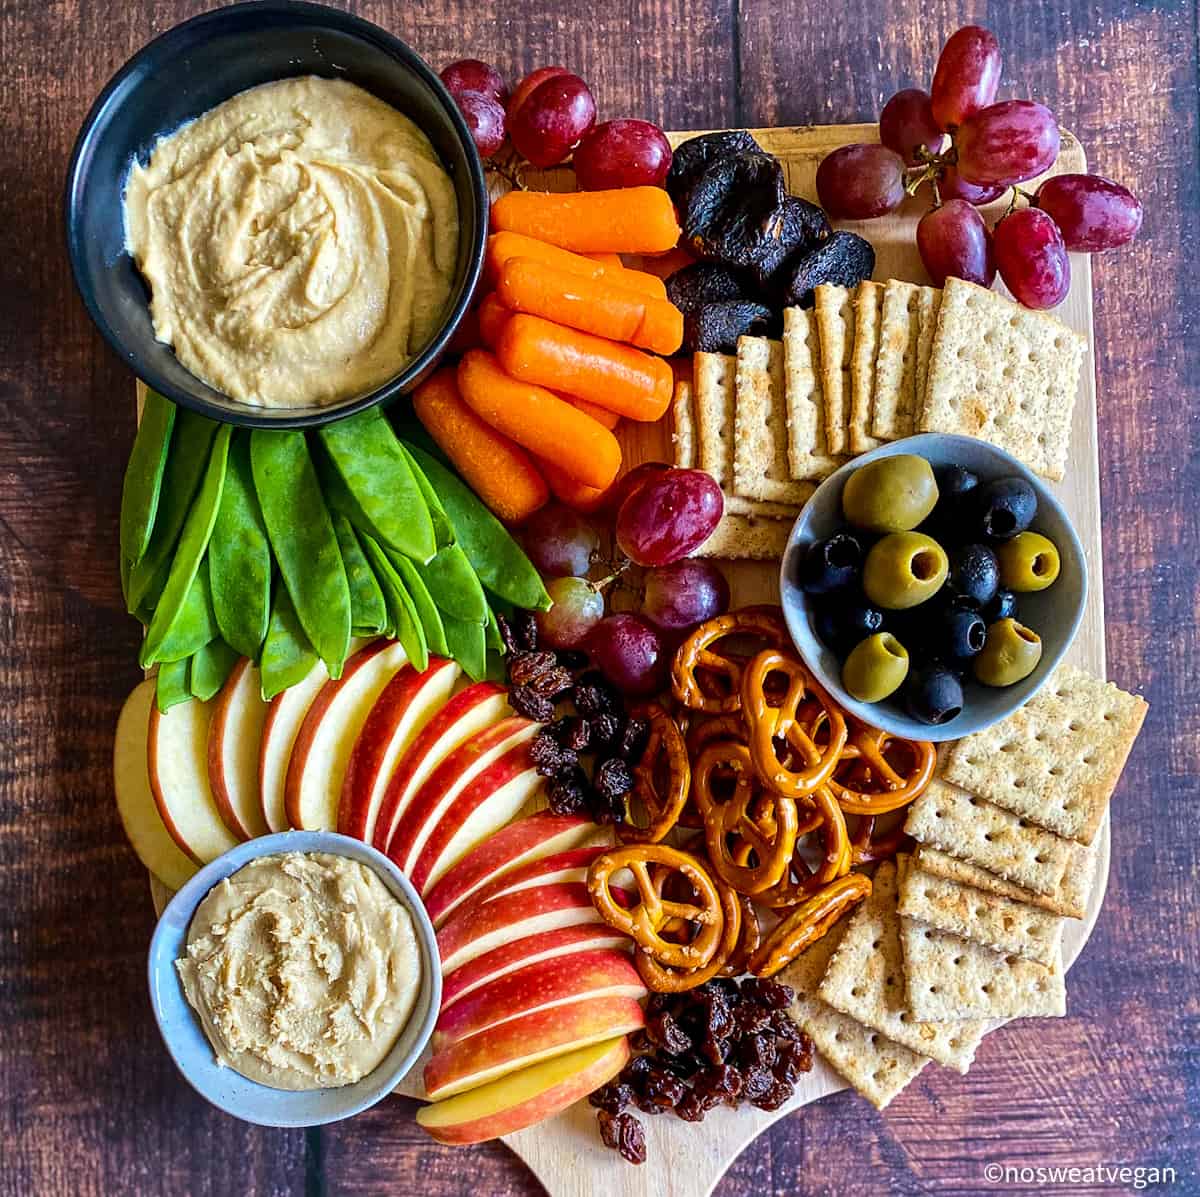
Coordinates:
865 980
683 427
952 978
893 408
808 448
1057 760
834 310
928 306
1002 924
1004 373
868 307
747 538
1069 899
878 1068
948 818
760 467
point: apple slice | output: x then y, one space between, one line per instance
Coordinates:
143 824
468 712
443 787
525 1097
542 834
528 1039
285 714
509 957
326 738
177 760
406 705
562 866
234 742
546 984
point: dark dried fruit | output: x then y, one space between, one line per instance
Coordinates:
844 259
567 794
756 1051
664 1031
662 1088
756 1083
553 682
549 757
632 741
526 667
612 1098
637 1068
526 701
703 283
795 227
612 779
692 1107
772 994
715 328
727 213
575 733
693 156
623 1133
525 632
603 730
786 1027
790 1063
751 1018
507 635
723 1082
775 1096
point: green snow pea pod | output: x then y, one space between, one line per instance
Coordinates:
193 544
144 477
454 586
239 557
194 627
491 635
401 608
368 611
171 685
465 639
287 655
211 667
443 530
426 608
303 540
367 456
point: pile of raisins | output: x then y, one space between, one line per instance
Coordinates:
726 1041
600 730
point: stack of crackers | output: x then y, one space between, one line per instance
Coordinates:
968 930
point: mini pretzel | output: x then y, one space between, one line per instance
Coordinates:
663 978
867 782
748 941
768 724
646 920
665 749
866 848
696 659
807 923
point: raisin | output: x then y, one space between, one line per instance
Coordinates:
775 1095
525 630
691 1108
602 729
790 1062
550 757
786 1027
612 1098
723 1082
714 1013
623 1133
640 1041
663 1031
526 667
507 635
755 1083
637 1067
662 1088
594 695
646 1103
576 733
529 703
567 793
751 1018
608 812
656 1003
756 1051
552 683
612 779
632 741
768 993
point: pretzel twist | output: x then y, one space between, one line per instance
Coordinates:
808 922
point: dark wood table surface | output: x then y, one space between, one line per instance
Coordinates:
89 1101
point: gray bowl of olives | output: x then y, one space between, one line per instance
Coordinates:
932 585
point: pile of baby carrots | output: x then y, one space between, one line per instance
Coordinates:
567 341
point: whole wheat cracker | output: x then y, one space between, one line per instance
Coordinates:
868 306
1057 760
747 538
808 448
928 306
834 310
893 407
683 427
966 826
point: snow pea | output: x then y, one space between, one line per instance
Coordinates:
211 667
368 611
193 628
454 585
287 656
191 446
367 456
403 612
144 476
171 685
443 530
465 639
303 540
497 559
239 557
426 608
491 634
193 544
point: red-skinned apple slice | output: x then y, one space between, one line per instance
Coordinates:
285 714
509 957
549 983
523 840
528 1039
468 712
525 1097
177 761
406 705
234 743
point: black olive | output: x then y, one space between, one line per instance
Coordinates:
831 564
826 624
1003 606
857 620
945 521
1005 507
933 694
954 481
961 634
974 573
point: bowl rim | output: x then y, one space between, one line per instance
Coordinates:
243 414
795 613
167 941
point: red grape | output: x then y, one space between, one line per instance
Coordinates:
967 75
684 594
953 240
1091 212
625 153
951 185
549 123
1032 258
906 125
628 483
469 74
668 516
857 182
1007 143
577 608
524 89
485 119
628 651
559 541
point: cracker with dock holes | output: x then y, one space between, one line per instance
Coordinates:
1057 760
1004 373
868 307
808 449
834 311
894 404
747 538
683 427
928 306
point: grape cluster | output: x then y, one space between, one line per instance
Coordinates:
971 149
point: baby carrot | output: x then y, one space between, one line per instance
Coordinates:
600 414
500 472
537 420
622 379
598 306
502 247
570 491
628 220
612 261
493 316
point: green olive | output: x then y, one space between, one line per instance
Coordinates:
1010 652
892 494
875 667
1027 562
904 569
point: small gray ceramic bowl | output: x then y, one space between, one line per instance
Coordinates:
1054 613
189 1047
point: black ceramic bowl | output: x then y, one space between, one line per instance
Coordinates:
180 76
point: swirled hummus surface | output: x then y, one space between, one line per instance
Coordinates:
303 969
299 241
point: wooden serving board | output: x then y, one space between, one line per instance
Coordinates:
686 1159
